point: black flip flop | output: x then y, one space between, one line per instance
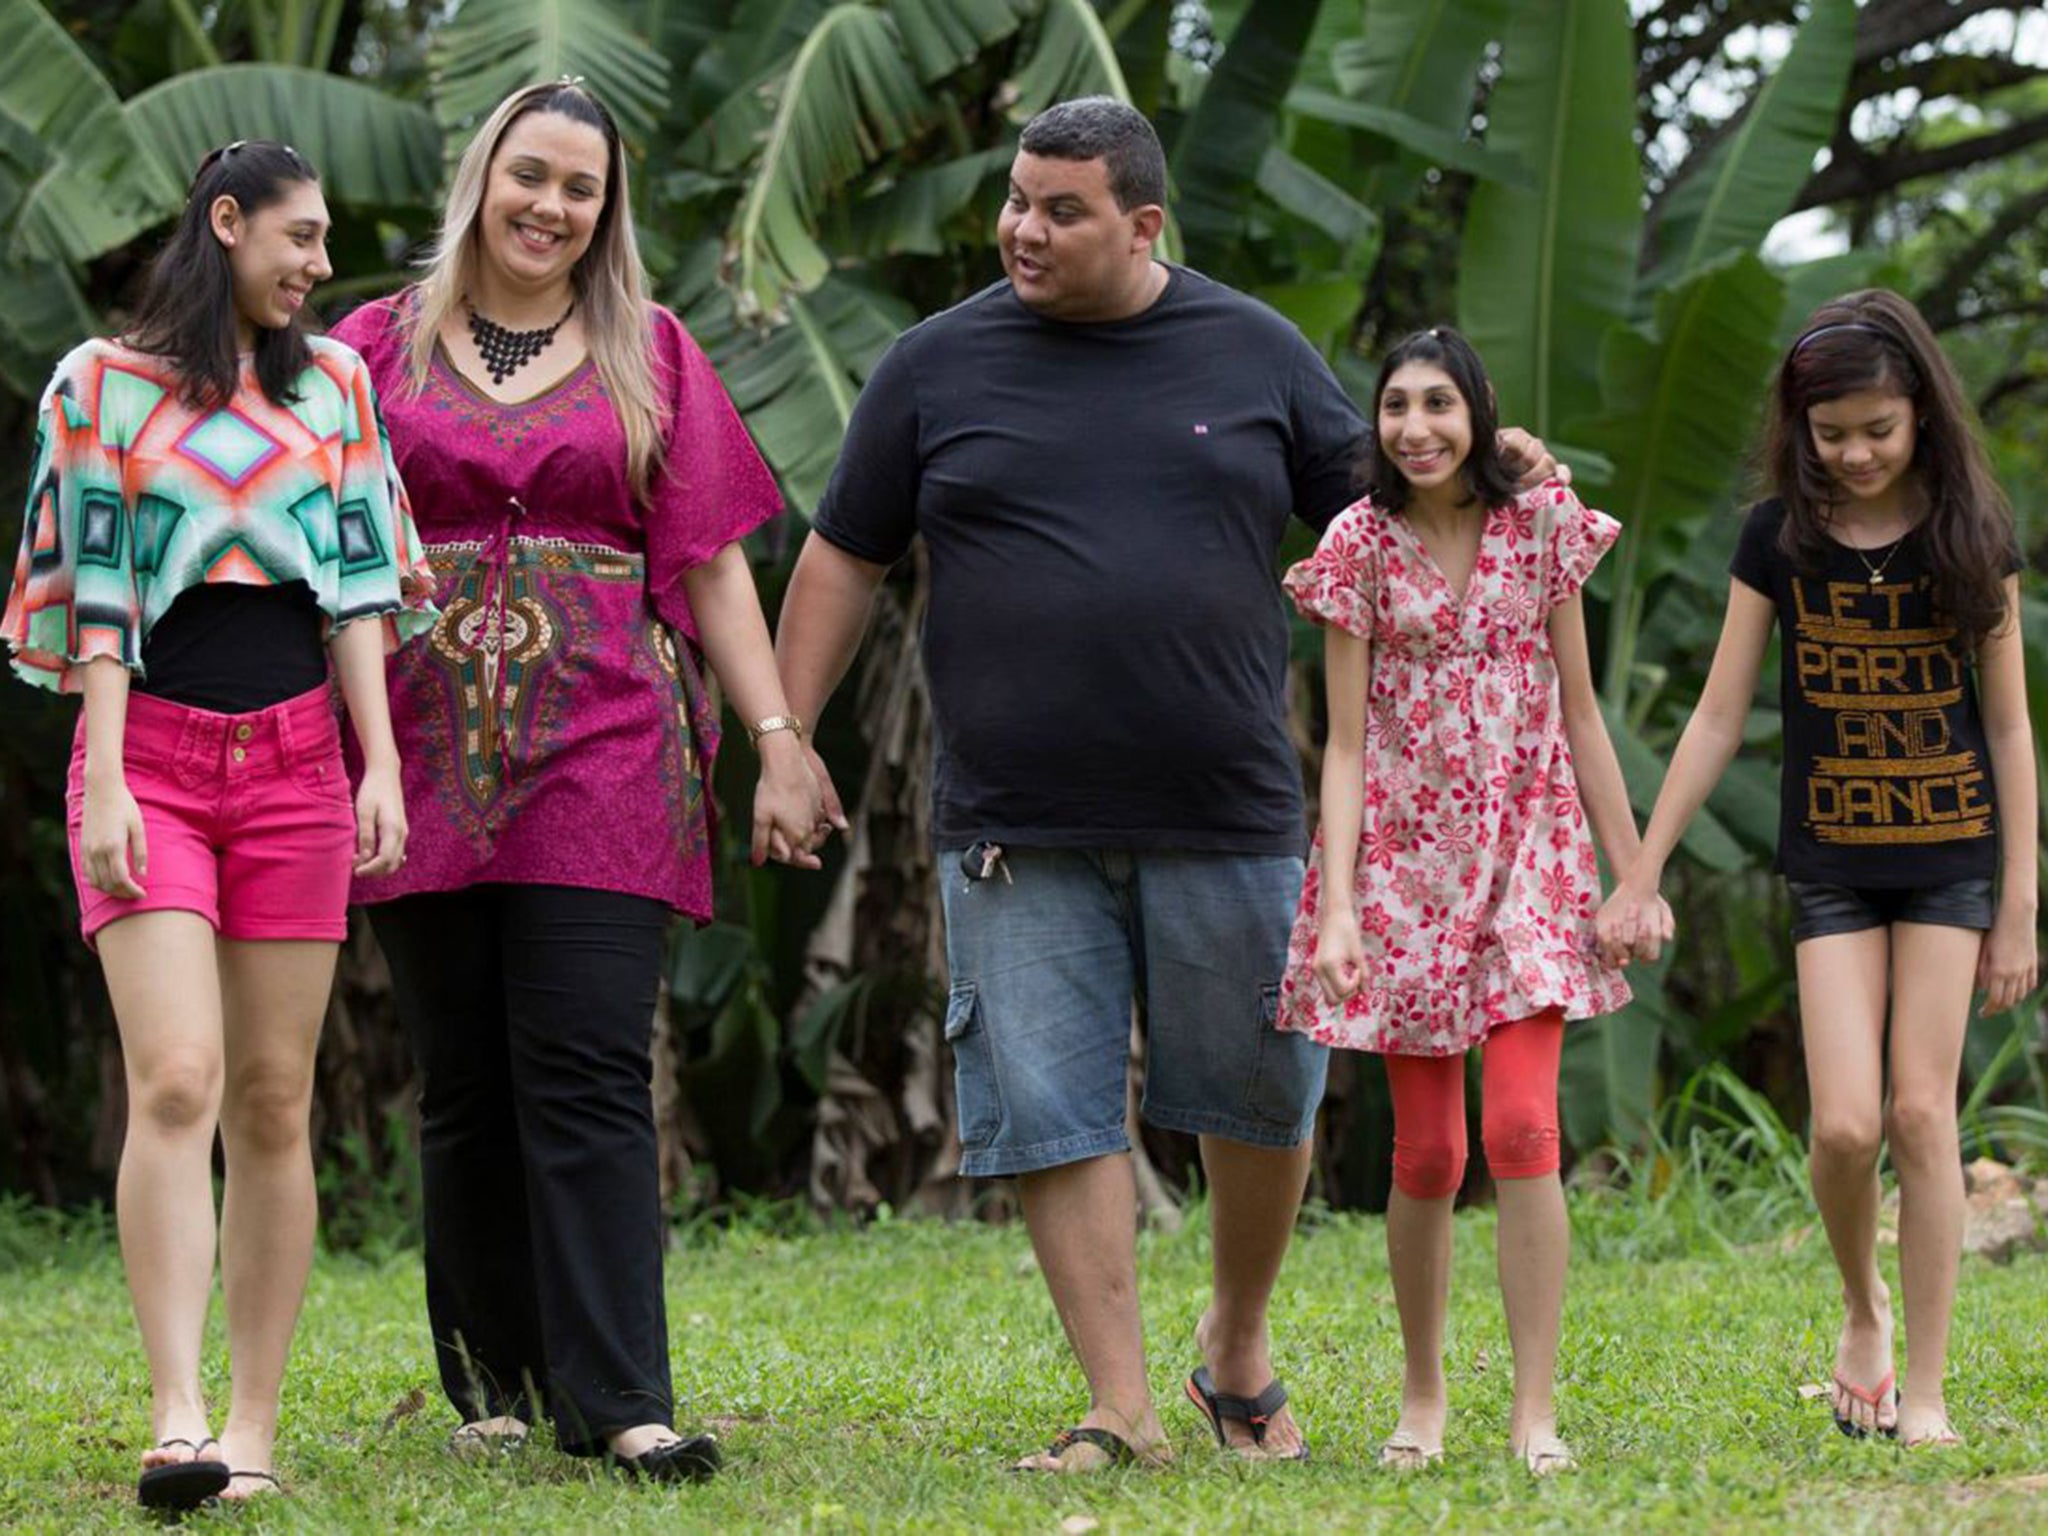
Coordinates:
268 1477
1255 1413
1120 1451
182 1484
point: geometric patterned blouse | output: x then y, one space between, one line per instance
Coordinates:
135 497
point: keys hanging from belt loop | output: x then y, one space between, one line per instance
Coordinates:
983 861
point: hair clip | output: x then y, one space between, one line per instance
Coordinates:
575 80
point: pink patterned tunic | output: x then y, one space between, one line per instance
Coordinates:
1476 881
554 726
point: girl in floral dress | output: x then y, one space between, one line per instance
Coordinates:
1455 834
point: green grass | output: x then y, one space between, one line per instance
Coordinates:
884 1380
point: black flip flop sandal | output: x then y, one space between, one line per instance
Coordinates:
1255 1413
1120 1451
182 1484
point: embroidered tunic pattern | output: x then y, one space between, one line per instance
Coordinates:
555 728
1476 883
135 497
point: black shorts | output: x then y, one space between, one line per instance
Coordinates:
1819 910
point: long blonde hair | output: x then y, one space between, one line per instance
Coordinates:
608 282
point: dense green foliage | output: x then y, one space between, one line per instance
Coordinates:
1584 185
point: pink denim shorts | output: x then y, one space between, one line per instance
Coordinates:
248 818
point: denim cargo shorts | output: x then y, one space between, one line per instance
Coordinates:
1047 955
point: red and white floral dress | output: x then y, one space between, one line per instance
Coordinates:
1476 880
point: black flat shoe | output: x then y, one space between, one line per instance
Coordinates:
691 1460
182 1484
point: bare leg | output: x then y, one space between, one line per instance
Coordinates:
1254 1194
276 996
1534 1248
1083 1223
166 996
1932 971
1842 987
1419 1258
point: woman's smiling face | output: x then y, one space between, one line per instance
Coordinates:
542 199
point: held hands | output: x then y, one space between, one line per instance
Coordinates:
1340 956
790 819
111 841
1529 461
2008 965
380 820
1634 924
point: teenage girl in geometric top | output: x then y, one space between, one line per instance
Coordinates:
1450 901
1887 557
212 519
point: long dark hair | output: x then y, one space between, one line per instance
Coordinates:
1875 340
1484 472
187 313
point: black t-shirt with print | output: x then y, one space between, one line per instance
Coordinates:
1887 779
1102 506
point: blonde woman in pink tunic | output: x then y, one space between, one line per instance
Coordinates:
582 484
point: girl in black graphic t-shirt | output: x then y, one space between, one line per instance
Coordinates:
1888 557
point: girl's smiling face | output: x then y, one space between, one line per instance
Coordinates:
1865 442
276 256
1425 425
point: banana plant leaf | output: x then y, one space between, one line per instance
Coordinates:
494 47
1070 55
850 96
369 148
1682 396
94 188
1217 156
943 35
1546 270
1745 183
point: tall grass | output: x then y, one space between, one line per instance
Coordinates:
1720 1170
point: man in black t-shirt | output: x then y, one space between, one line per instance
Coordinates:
1101 454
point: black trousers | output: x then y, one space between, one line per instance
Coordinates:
530 1010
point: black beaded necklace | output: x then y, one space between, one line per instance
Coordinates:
506 352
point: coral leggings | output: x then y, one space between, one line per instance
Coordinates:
1517 1109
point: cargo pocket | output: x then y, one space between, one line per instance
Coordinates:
1286 1080
974 1073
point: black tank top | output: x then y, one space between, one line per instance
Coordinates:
232 648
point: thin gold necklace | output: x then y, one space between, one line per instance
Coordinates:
1892 553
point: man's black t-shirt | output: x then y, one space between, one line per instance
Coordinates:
1887 779
1102 506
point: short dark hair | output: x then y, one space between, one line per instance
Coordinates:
1114 132
187 310
1484 471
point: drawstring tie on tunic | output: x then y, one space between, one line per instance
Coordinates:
495 559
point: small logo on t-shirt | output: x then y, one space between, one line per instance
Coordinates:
1201 429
